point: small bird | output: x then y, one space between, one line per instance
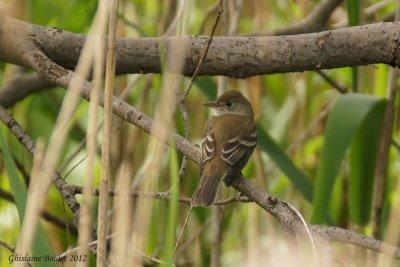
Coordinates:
230 137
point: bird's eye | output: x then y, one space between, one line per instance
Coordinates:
228 103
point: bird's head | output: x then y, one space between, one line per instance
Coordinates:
231 102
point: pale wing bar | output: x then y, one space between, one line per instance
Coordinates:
236 147
207 145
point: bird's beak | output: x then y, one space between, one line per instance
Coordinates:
210 104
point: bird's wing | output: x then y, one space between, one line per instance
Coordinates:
240 145
207 145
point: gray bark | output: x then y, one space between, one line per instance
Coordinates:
237 57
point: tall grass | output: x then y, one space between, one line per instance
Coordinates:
317 148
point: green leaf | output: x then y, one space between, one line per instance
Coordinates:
363 154
353 12
347 116
298 178
41 245
17 185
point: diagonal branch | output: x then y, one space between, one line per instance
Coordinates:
62 186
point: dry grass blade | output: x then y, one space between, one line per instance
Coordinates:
109 87
91 137
38 195
393 231
382 166
122 219
155 152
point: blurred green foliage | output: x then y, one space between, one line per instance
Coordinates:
318 175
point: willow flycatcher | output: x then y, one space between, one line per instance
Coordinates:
230 137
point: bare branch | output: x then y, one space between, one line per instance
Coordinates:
59 222
20 87
315 21
248 56
349 237
28 143
332 82
93 246
7 246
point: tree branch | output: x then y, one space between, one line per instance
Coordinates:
20 87
315 21
63 187
7 246
349 237
61 223
237 57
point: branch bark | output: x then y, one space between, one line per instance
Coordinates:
237 57
62 186
20 87
59 222
315 21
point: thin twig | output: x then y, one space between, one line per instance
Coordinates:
368 12
76 189
182 99
29 144
51 218
7 246
332 82
93 245
193 237
210 38
315 21
183 228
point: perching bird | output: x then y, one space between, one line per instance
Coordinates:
230 137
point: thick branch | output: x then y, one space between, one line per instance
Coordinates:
238 57
20 87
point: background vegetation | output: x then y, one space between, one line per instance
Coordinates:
318 148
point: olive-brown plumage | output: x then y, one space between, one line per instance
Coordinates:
230 137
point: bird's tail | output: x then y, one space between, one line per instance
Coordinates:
206 190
